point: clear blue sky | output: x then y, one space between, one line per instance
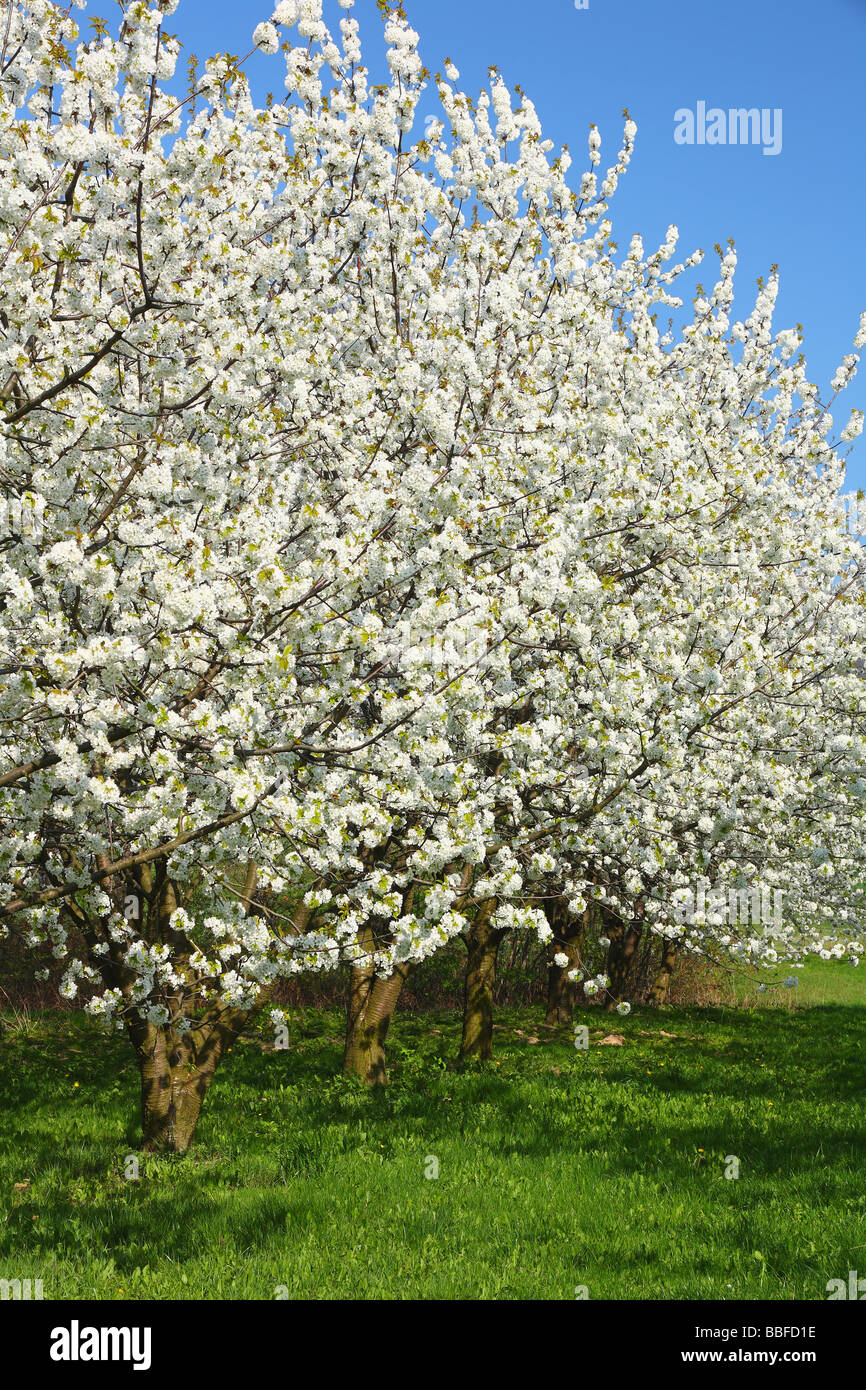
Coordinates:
803 209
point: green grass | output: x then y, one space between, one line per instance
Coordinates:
821 982
557 1168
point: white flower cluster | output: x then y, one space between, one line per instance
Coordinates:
394 574
266 38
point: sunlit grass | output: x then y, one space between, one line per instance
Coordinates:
558 1168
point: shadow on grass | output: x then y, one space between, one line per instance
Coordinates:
282 1130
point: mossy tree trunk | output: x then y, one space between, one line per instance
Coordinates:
482 945
569 934
176 1071
370 1008
659 992
176 1067
371 1005
622 953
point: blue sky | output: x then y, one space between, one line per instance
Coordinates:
803 208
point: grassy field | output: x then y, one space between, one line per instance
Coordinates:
821 982
558 1168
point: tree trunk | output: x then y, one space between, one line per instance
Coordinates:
482 943
622 954
371 1005
659 992
569 933
176 1072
